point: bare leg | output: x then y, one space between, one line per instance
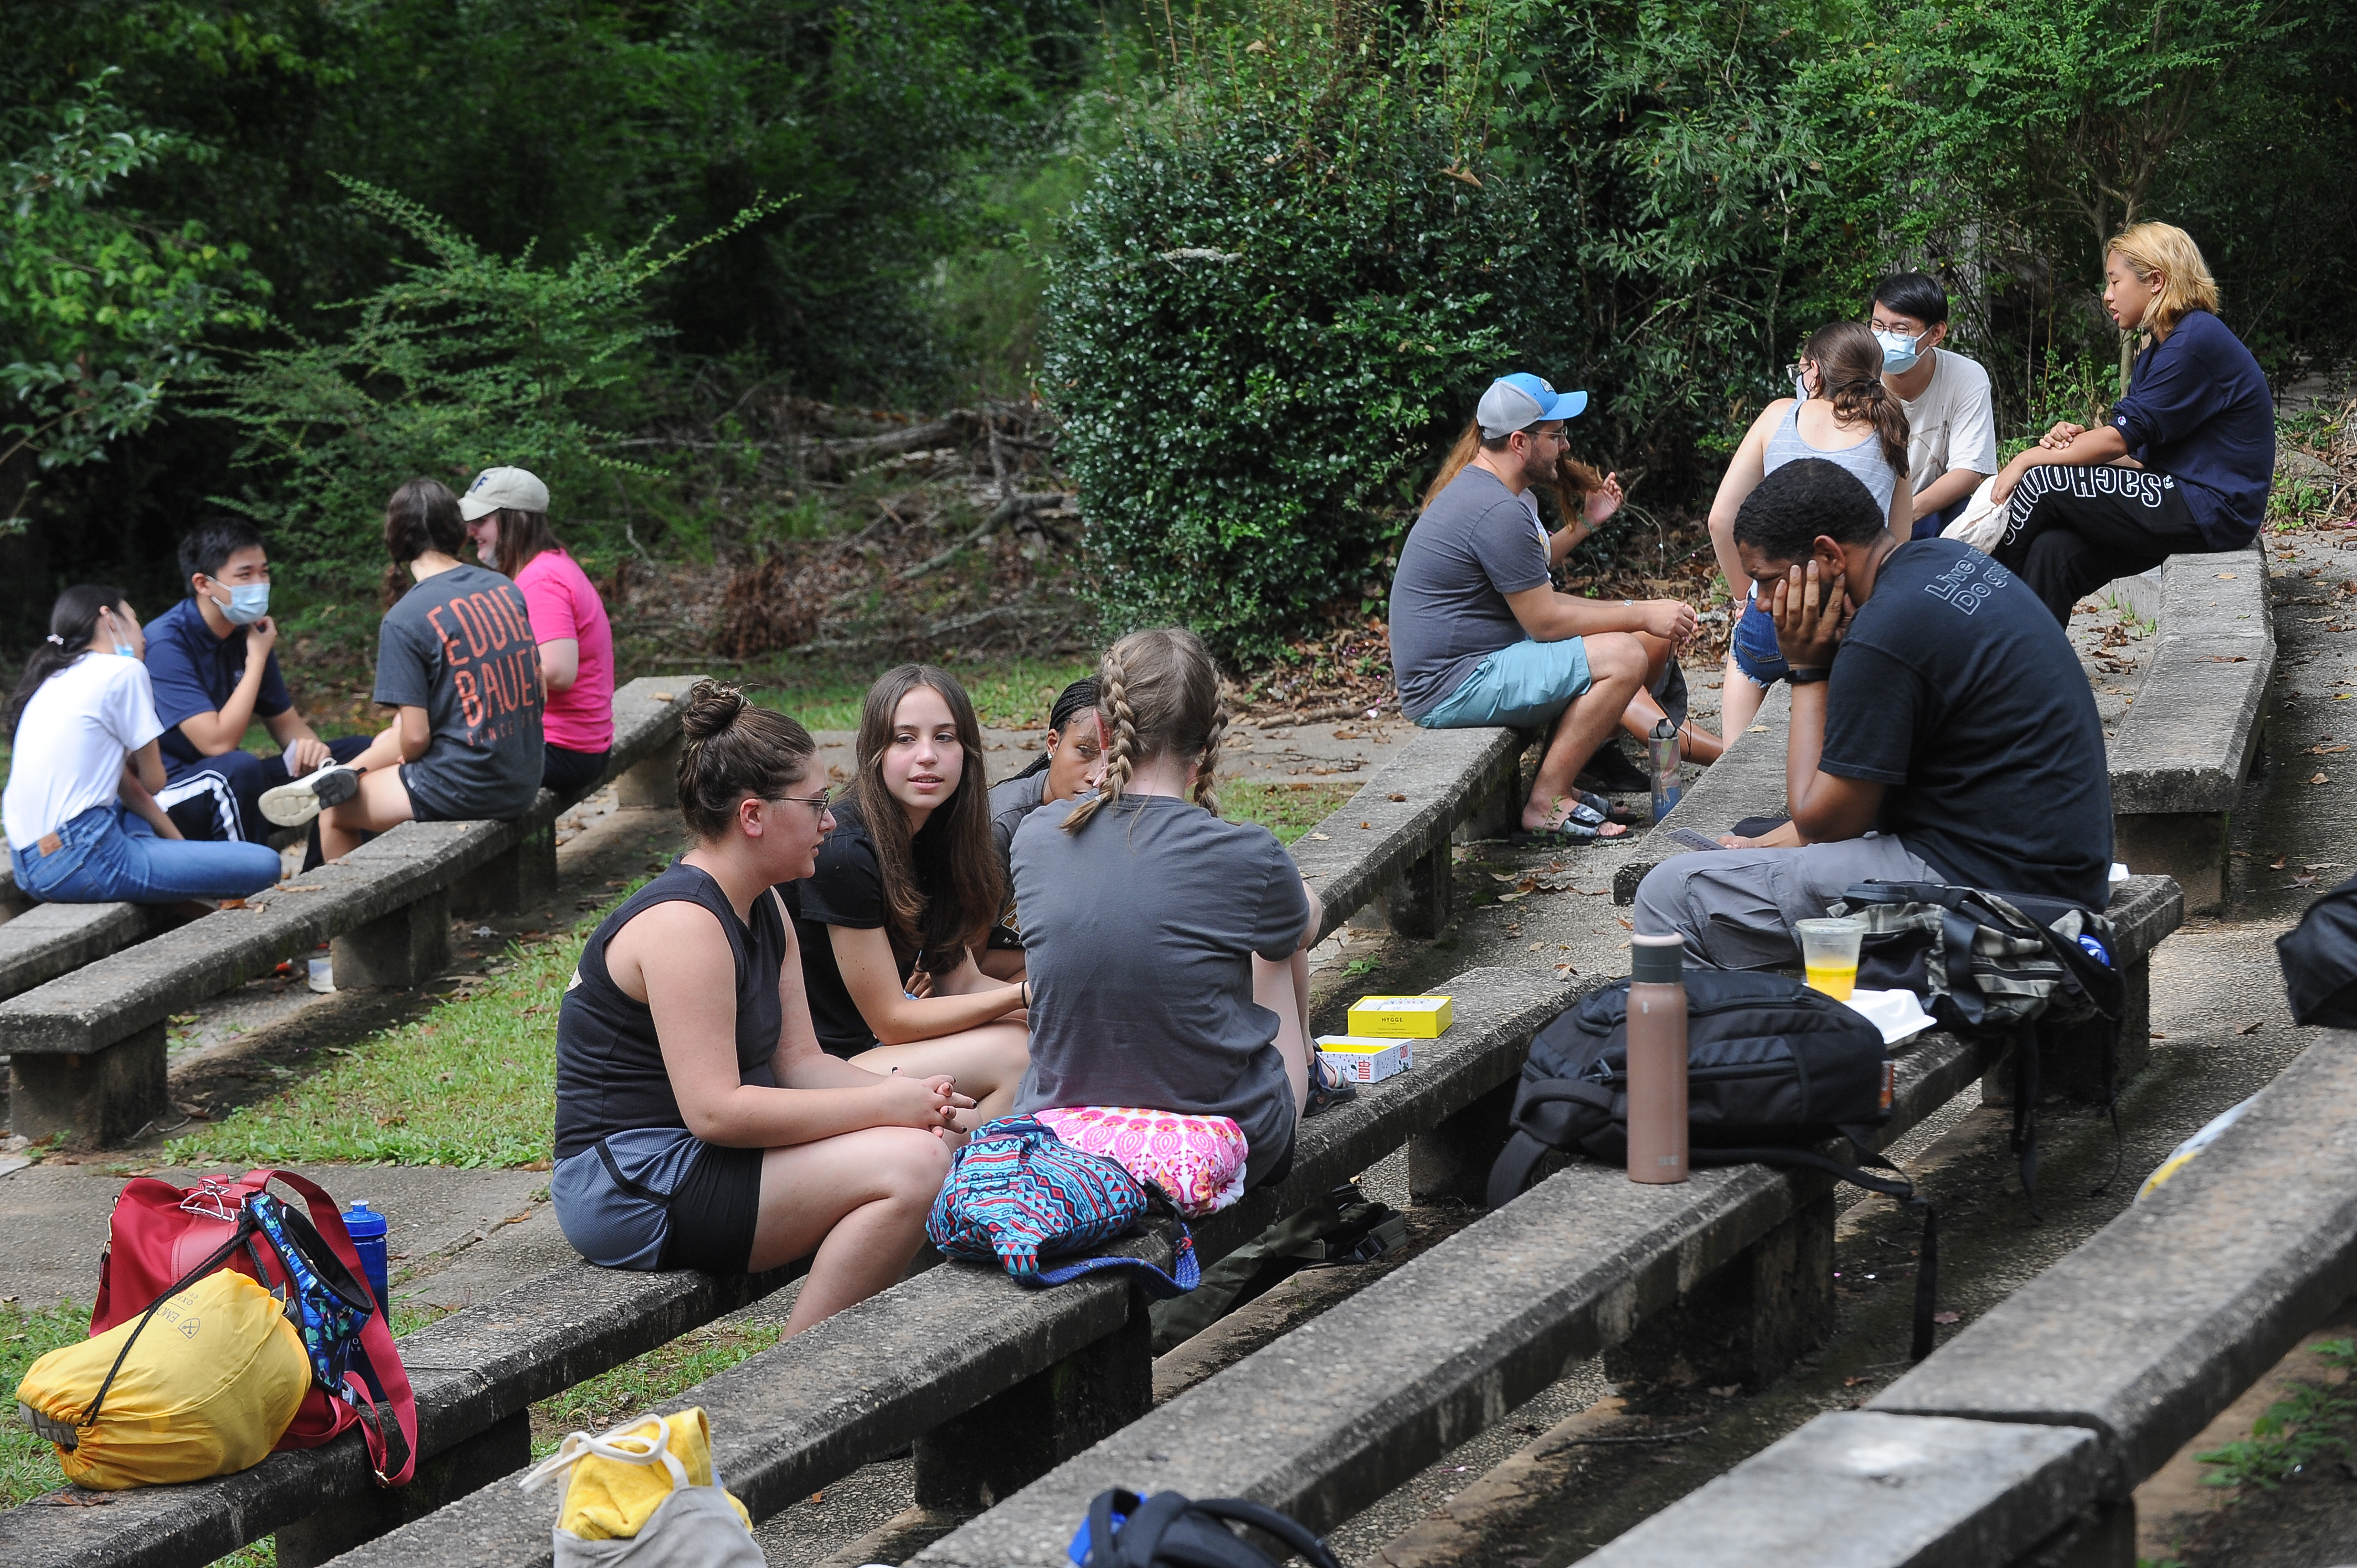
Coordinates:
1739 699
383 802
858 1201
1616 669
1643 712
987 1062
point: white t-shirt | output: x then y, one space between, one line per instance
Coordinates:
1952 425
72 743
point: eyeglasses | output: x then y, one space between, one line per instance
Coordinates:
817 803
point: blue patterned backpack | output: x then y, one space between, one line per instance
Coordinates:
1018 1194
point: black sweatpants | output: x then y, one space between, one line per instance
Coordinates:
2069 529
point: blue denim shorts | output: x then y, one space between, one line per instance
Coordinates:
1525 685
1754 646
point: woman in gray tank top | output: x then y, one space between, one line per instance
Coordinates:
1845 416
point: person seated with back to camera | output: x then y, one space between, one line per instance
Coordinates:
213 658
698 1123
1480 637
1931 739
905 892
1071 765
1167 950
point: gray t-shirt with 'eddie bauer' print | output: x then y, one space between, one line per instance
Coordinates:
1138 935
459 645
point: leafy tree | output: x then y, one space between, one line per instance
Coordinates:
100 309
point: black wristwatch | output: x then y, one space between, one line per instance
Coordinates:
1808 677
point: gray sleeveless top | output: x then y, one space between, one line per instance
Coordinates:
1865 459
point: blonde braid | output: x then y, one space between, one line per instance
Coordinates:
1207 767
1120 757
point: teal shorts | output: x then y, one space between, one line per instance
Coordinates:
1525 685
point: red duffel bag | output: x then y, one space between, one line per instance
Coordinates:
159 1232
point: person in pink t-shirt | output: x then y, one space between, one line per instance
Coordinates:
507 517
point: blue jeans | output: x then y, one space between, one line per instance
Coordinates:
110 852
1754 646
1525 685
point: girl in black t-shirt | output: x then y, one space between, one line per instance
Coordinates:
904 895
698 1124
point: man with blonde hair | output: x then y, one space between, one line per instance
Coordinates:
2182 466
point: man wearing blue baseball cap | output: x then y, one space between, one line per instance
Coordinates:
1480 637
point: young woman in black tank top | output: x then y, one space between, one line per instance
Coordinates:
698 1123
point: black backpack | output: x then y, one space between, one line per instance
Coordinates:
1169 1530
1773 1069
2320 960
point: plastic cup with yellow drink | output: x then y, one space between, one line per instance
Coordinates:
1829 948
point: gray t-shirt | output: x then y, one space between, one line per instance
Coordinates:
1472 547
459 645
1138 934
1011 800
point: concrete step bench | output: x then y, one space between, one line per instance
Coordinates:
993 1383
1384 857
2023 1438
86 1049
2180 755
2177 762
44 940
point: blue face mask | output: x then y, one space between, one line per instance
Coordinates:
1899 354
124 650
248 603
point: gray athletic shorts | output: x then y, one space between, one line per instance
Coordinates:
659 1198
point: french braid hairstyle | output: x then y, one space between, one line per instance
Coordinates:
1160 695
1849 374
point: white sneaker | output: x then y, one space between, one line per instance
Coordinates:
292 805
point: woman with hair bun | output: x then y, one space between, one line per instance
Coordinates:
1167 950
698 1123
2184 463
904 895
82 821
456 656
1846 415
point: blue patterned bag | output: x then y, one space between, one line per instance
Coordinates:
324 1301
1018 1194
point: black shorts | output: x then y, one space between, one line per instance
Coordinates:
570 772
713 1212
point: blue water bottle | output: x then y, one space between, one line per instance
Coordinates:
366 1228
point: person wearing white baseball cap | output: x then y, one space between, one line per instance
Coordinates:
1480 637
506 511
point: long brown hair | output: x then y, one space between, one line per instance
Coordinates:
1573 483
956 838
1160 693
422 515
522 535
1849 376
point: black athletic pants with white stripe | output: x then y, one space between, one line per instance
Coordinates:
2071 529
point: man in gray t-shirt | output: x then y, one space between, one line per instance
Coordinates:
459 645
1478 634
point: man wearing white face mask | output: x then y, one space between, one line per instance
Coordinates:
1952 428
214 663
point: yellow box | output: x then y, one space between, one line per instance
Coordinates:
1401 1017
1364 1059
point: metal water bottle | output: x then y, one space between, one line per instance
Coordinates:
1662 764
1657 1059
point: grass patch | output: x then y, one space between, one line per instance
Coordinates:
471 1084
637 1386
1016 694
1289 810
29 1466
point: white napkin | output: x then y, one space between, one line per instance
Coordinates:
1896 1012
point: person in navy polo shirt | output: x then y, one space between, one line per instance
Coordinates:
213 660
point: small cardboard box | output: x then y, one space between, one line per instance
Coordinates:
1401 1017
1362 1058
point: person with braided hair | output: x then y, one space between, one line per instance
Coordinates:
1844 414
1167 950
903 898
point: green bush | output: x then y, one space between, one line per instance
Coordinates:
1270 309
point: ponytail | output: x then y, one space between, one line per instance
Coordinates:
73 622
1849 376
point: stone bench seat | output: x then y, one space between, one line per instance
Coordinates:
1731 1270
44 940
86 1049
2022 1439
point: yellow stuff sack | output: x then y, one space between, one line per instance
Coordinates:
206 1389
608 1500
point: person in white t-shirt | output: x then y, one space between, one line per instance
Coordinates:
1952 427
80 807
